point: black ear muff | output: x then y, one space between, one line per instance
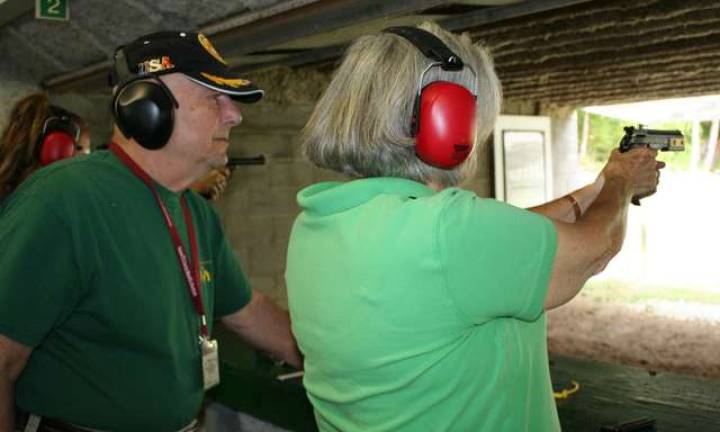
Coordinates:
144 111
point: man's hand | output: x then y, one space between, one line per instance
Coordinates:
266 326
13 357
212 184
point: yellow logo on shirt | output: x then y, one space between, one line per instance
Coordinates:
205 275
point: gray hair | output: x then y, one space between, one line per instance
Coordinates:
361 124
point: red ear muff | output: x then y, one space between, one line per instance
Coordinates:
56 145
443 118
445 124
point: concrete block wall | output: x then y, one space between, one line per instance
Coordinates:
259 205
15 79
11 91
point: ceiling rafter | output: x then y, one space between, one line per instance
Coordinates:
287 25
554 51
608 35
479 17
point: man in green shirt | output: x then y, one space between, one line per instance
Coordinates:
111 272
418 305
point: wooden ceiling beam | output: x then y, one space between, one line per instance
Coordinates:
595 17
679 71
493 15
625 92
549 44
481 17
315 18
609 58
625 65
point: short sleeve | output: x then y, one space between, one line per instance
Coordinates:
39 276
498 258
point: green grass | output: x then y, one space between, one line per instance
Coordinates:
627 292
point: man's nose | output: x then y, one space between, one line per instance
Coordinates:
230 111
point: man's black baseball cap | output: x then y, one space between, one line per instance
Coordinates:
188 53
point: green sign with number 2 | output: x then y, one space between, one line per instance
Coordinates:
52 9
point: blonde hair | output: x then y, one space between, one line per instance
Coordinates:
361 124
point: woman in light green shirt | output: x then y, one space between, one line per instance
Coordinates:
418 305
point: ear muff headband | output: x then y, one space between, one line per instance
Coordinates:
60 136
443 117
143 106
430 45
60 119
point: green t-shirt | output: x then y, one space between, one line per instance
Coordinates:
421 311
90 279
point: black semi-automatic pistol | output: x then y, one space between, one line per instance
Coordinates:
663 140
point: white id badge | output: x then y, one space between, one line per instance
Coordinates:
33 423
210 363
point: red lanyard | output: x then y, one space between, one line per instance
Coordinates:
192 276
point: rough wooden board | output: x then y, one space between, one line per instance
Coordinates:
613 393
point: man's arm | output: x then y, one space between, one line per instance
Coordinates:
586 246
267 327
562 210
13 357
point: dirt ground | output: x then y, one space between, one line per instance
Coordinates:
671 336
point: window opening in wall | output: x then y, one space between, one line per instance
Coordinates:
667 276
673 239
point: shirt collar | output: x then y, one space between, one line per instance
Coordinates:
333 197
170 198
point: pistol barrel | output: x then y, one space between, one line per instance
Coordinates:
254 160
663 140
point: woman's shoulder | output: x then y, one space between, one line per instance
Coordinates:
458 202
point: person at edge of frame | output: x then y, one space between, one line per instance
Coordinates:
37 134
118 272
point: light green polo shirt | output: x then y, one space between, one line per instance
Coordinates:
89 278
421 311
